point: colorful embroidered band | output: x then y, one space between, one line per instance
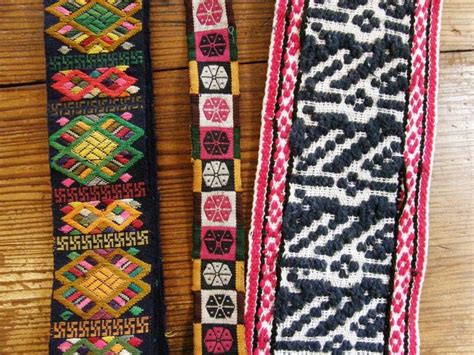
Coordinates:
218 253
107 292
354 235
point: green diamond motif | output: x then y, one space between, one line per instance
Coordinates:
66 315
135 310
133 251
117 210
96 149
97 19
73 255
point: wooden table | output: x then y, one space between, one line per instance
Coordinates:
447 311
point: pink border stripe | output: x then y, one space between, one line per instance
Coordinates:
423 222
412 156
276 196
265 148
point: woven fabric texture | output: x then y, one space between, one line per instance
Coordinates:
218 240
348 260
107 292
277 114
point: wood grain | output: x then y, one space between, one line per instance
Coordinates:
447 310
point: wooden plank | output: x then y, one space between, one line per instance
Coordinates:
457 27
447 310
25 221
21 26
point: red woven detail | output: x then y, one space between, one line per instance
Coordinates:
418 163
406 232
266 134
422 242
281 156
75 84
276 196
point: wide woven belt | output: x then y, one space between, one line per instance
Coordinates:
339 267
107 291
218 240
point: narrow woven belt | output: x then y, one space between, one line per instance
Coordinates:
218 253
347 257
107 291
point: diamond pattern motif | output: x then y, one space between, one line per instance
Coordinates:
124 345
96 149
86 218
96 26
77 85
102 284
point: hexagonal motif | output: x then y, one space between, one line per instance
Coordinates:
209 14
216 274
218 340
216 110
218 243
218 208
217 143
214 77
212 46
215 174
219 306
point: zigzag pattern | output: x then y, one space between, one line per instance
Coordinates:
347 145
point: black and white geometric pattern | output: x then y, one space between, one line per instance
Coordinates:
347 142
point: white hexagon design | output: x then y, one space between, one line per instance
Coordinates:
214 77
215 174
217 274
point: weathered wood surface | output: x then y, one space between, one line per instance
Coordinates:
447 311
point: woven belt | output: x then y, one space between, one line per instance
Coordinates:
347 255
218 253
107 292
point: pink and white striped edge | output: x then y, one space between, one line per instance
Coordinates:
418 160
423 222
276 197
261 179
